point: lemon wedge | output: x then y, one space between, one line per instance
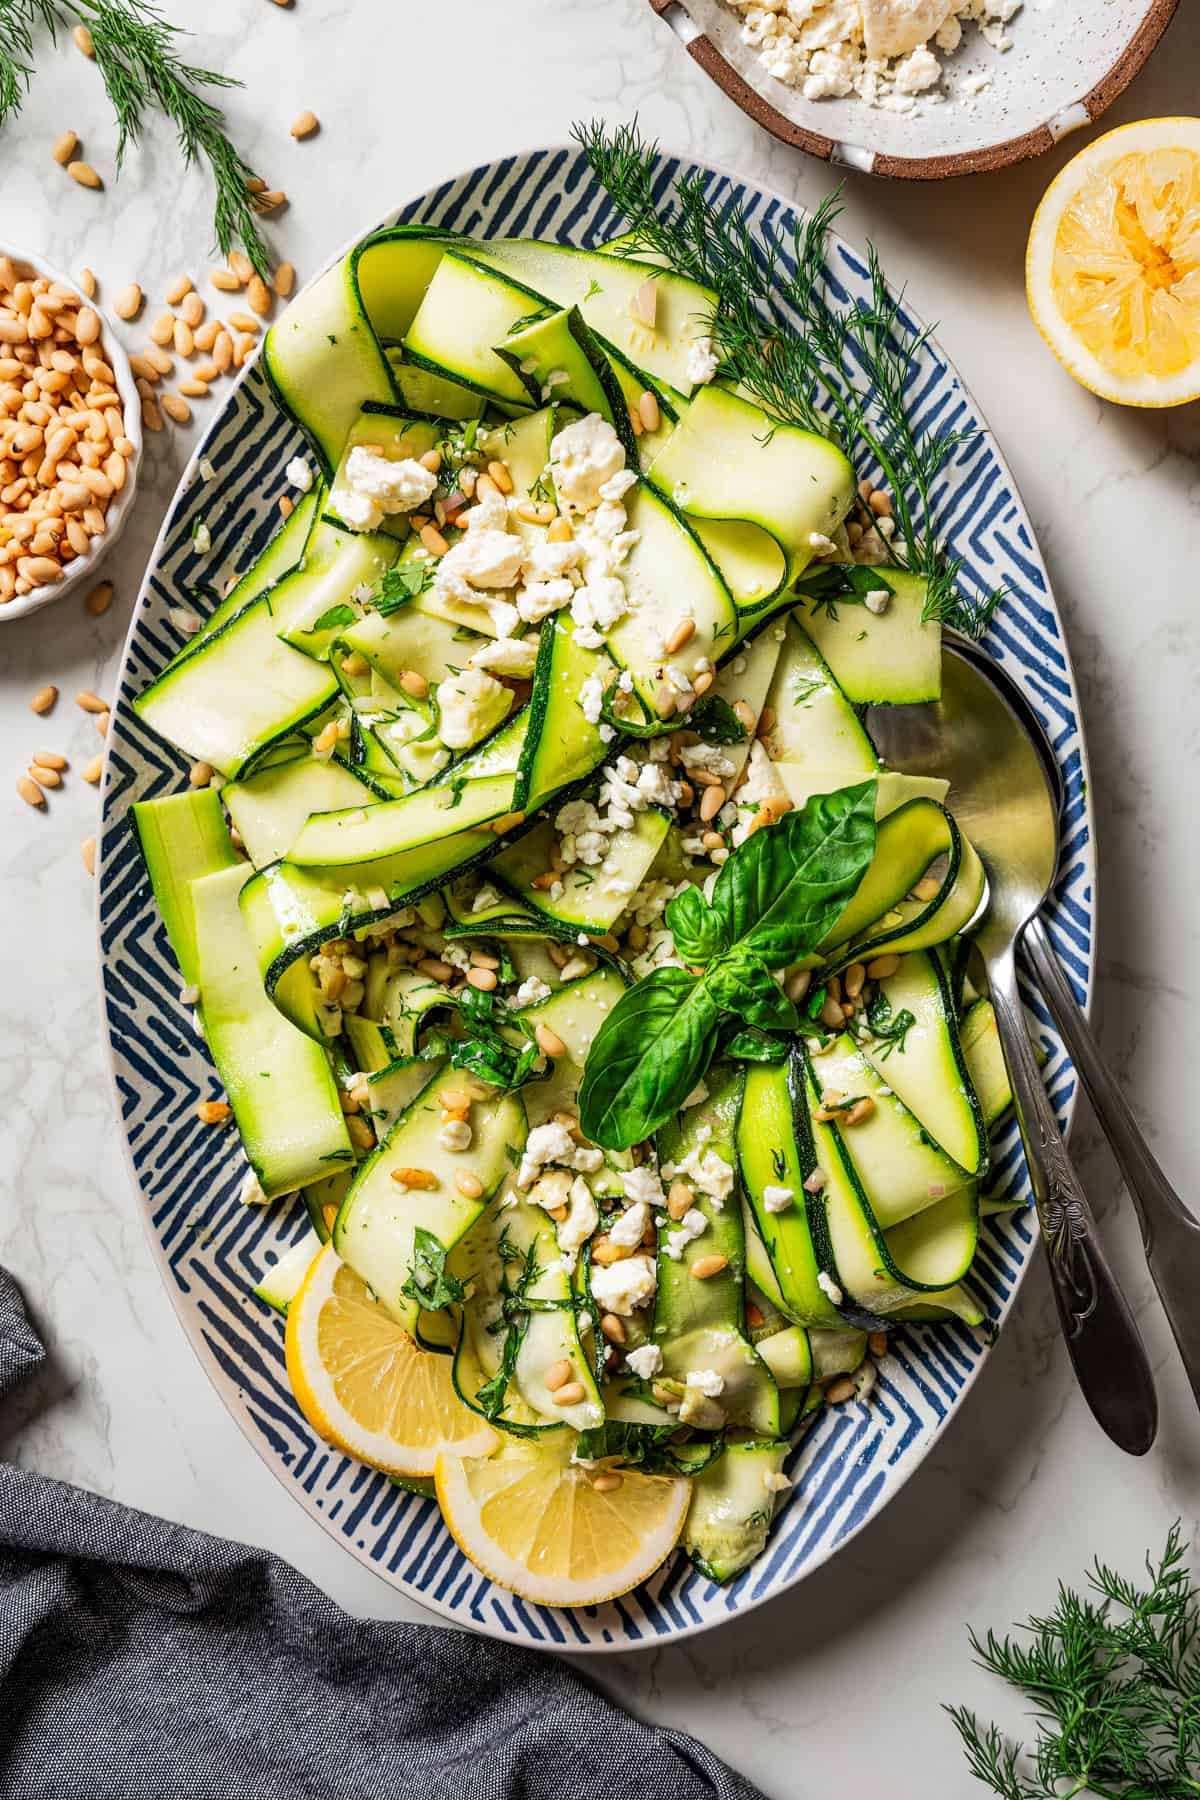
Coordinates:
557 1533
1112 270
364 1385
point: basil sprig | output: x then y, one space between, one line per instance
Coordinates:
775 900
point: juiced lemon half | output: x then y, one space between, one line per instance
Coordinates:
1113 265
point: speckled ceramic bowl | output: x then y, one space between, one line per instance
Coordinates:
1068 61
83 569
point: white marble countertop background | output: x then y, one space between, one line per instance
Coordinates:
841 1680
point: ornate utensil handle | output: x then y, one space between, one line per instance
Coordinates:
1102 1340
1170 1234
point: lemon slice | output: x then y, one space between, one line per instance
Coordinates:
365 1385
538 1524
1113 266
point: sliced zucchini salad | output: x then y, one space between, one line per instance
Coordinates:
562 947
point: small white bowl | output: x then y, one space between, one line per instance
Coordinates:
84 567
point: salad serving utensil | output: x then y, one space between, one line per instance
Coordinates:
1170 1232
1008 805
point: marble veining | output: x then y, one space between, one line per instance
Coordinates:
826 1681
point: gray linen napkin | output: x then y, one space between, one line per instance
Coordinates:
141 1660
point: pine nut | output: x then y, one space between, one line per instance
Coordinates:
705 1267
560 531
43 700
64 148
360 1134
468 1185
683 634
304 124
680 1199
831 1014
548 1042
84 174
47 778
158 359
83 40
205 372
163 328
271 199
483 979
613 1328
200 774
192 310
877 1343
862 1109
49 759
880 504
258 296
89 702
87 283
838 1392
207 335
414 684
181 332
222 351
181 285
882 966
570 1395
498 472
415 1178
177 408
143 367
798 984
241 265
713 800
285 280
744 714
30 792
101 722
128 303
91 771
435 968
151 417
853 979
213 1112
225 280
535 512
193 387
558 1375
87 851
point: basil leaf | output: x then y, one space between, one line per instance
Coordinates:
646 1058
752 1045
400 585
698 931
742 985
336 615
430 1284
786 887
647 1447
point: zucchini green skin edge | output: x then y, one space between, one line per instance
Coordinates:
921 981
181 837
702 1323
731 1507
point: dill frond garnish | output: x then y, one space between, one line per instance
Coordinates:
137 53
842 371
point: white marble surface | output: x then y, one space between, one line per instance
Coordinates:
840 1680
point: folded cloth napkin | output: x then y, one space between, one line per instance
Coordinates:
141 1660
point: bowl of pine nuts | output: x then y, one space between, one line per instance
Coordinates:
70 435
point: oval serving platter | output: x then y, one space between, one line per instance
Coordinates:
211 1249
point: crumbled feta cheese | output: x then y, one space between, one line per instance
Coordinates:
820 545
455 1134
643 1187
645 1361
775 1481
706 1171
816 1181
375 486
630 1228
702 361
469 706
591 699
538 599
830 1288
532 990
692 1225
482 559
582 1219
550 1143
617 486
506 656
877 600
706 1382
250 1191
299 474
777 1199
621 1287
583 457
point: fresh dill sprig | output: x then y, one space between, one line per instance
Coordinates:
1115 1684
136 52
840 371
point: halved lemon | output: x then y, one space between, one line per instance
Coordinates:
1113 265
365 1385
537 1523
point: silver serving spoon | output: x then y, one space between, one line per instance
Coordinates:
1001 795
1170 1232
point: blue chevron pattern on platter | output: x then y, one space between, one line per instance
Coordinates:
211 1249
